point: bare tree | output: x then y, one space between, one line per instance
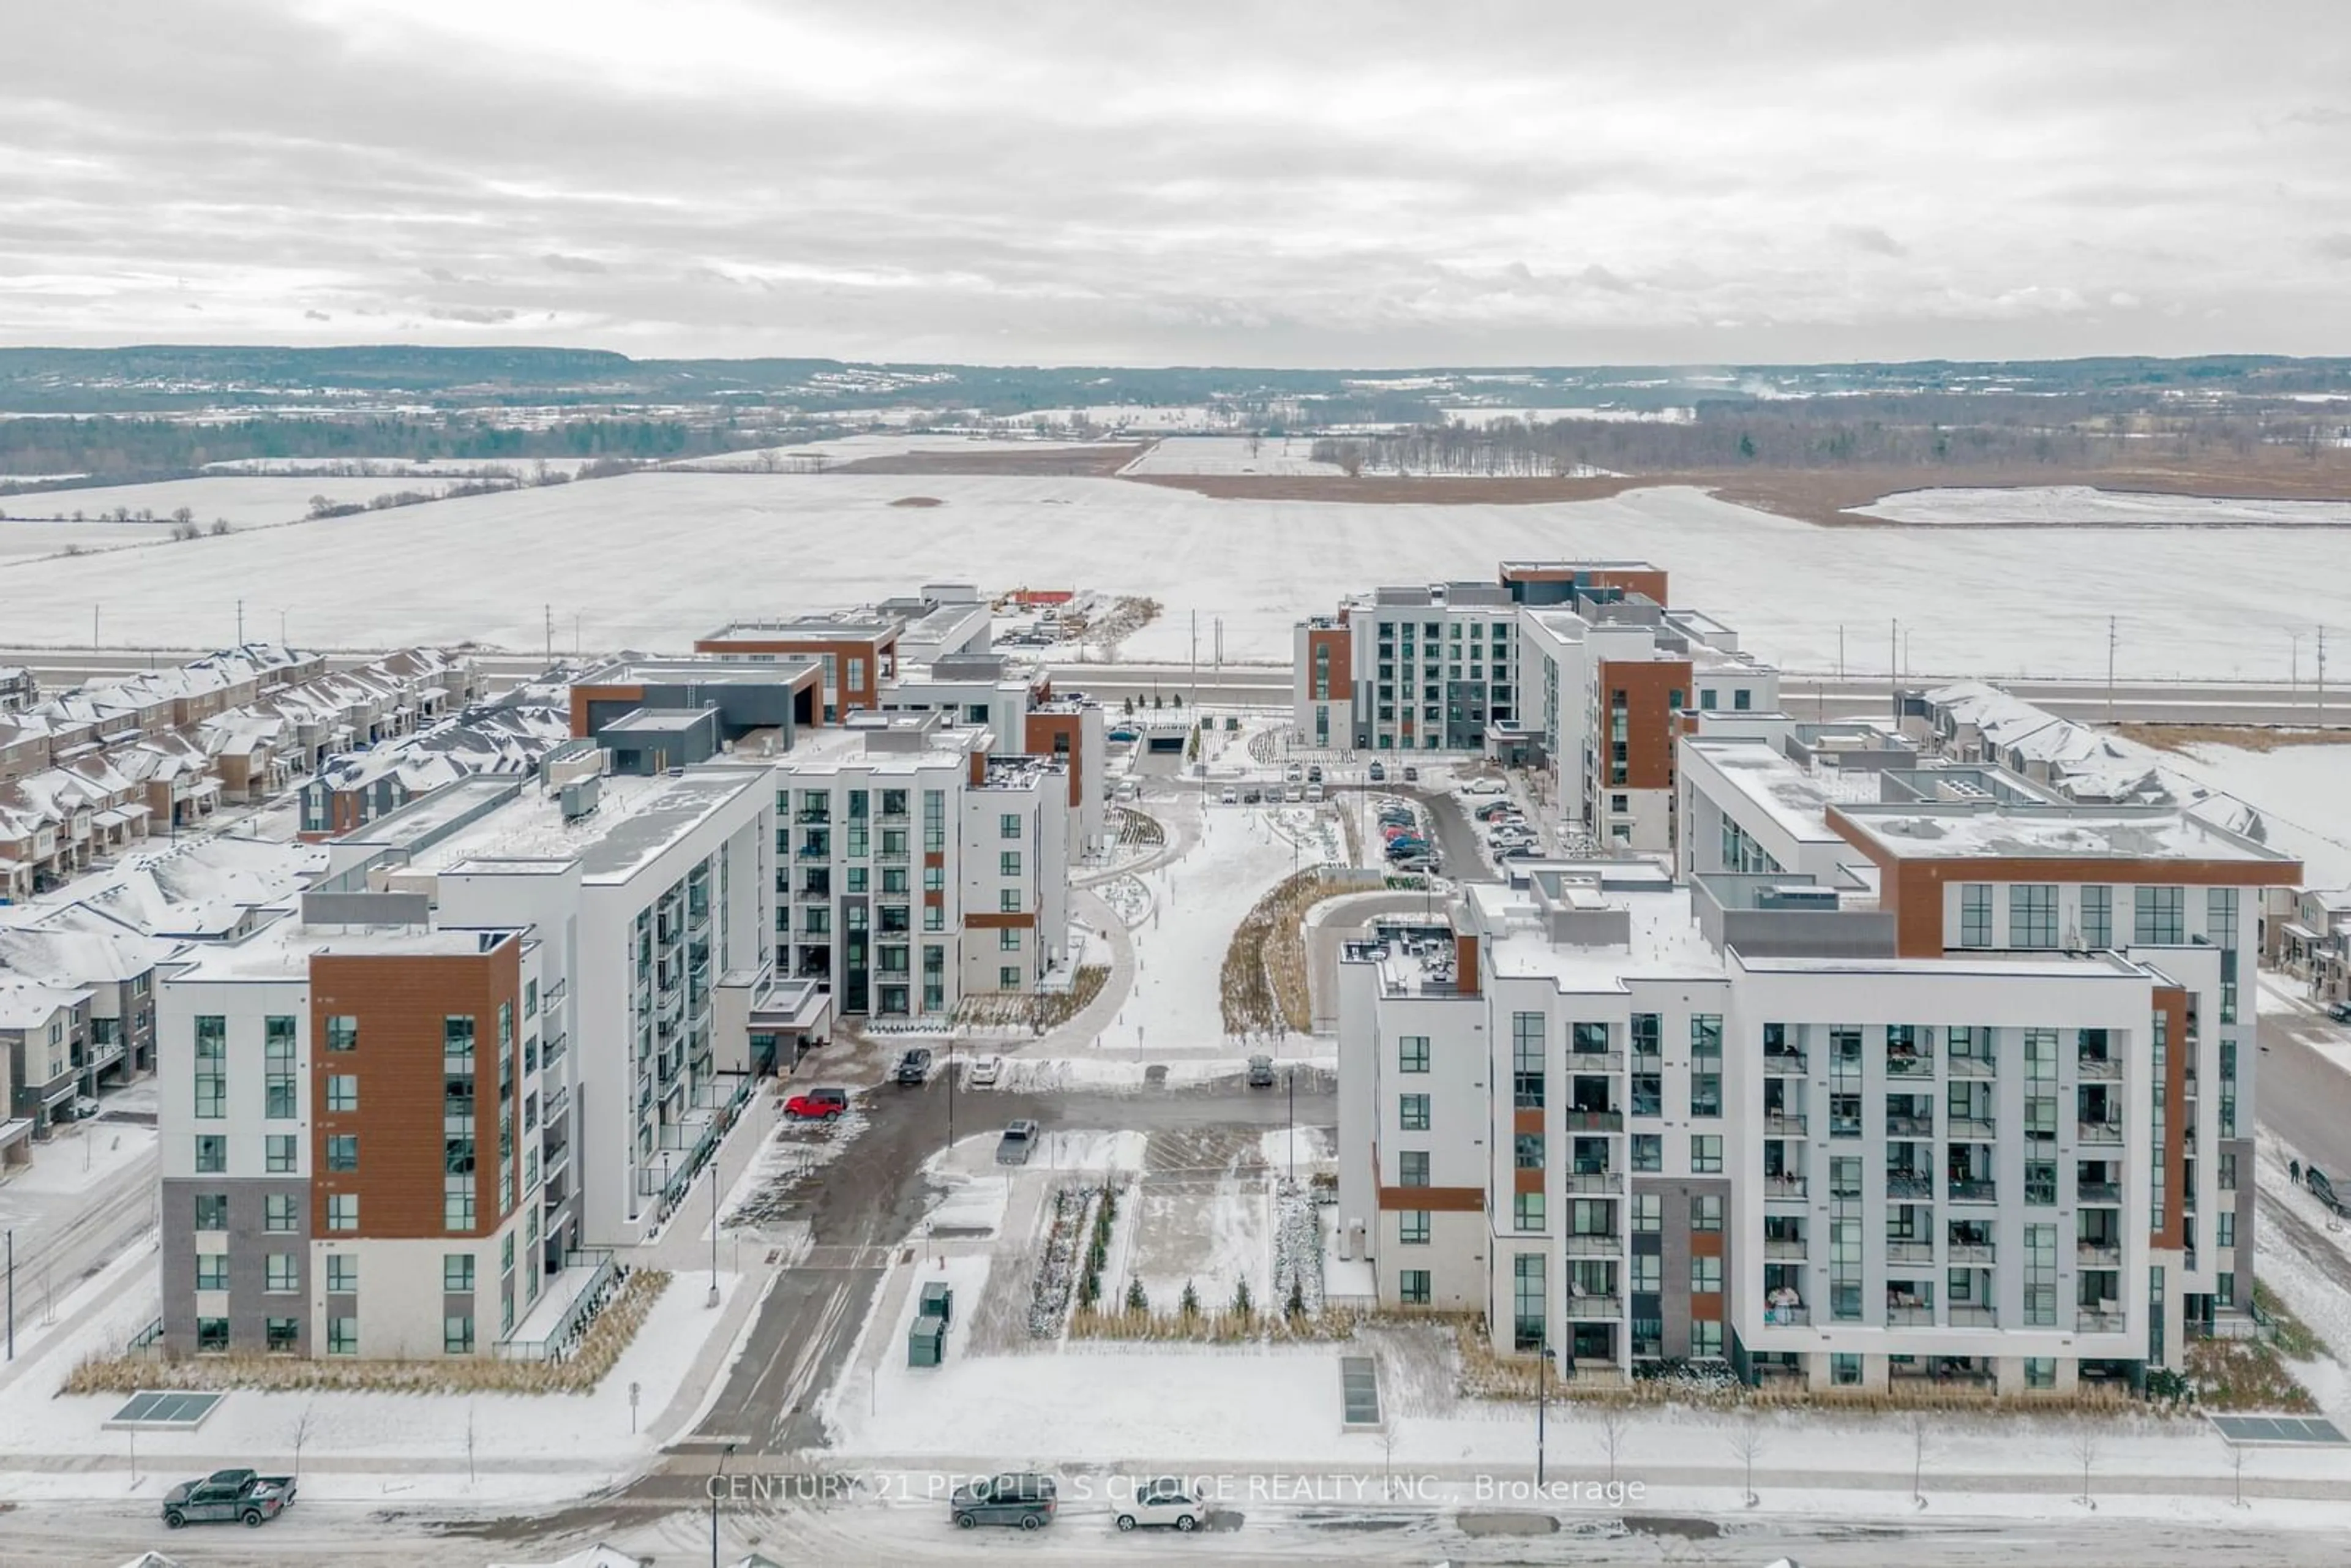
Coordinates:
1918 1458
1615 1425
2085 1449
1387 1456
1747 1442
185 515
302 1433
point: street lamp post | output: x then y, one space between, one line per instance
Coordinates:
1542 1400
714 1224
715 1490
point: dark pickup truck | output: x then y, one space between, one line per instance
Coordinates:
229 1495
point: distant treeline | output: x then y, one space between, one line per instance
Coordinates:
1929 430
110 446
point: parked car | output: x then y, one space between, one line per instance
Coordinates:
1123 734
1165 1501
915 1067
228 1495
1019 1141
1411 774
1412 865
2339 1011
1379 773
1391 831
1485 786
1230 798
1293 773
1293 794
1314 774
1252 796
1023 1499
984 1071
817 1104
1260 1072
1314 793
1491 810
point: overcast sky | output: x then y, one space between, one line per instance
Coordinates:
1287 184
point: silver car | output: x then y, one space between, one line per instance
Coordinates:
1019 1141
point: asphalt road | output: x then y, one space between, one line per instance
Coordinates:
2304 1098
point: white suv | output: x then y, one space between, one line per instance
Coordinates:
1164 1501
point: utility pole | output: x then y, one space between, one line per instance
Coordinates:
714 1223
1542 1399
550 612
1840 652
2111 622
1894 665
93 625
240 623
2321 677
1195 677
12 1294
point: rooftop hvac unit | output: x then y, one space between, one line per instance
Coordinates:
579 797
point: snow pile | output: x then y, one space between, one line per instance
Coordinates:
1057 1270
1297 1249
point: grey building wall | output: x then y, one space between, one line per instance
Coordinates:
250 1242
1672 1242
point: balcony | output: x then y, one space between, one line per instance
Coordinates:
1650 1060
1909 1252
1911 1066
2102 1068
1595 1062
2099 1320
1794 1316
2105 1194
1784 1189
2093 1254
891 857
1909 1126
1784 1251
1982 1129
1973 1067
1594 1120
1970 1252
1593 1181
558 1103
1595 1244
1784 1062
1595 1307
2100 1132
1783 1124
816 819
1963 1191
1909 1184
1970 1316
1908 1316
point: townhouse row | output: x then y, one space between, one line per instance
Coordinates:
1904 1070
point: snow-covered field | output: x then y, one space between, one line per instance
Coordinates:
246 500
1229 454
652 561
2081 505
403 467
806 456
2304 793
30 538
1480 417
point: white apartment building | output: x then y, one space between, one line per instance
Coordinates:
914 867
1409 669
1770 1115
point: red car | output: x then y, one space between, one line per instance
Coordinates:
817 1104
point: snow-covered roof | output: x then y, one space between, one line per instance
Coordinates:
28 1004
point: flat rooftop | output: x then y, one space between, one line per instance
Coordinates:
814 628
1993 831
698 672
635 820
1796 800
2036 963
282 950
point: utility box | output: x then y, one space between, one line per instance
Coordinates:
926 1341
938 1301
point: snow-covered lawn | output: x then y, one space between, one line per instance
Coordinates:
246 500
1229 454
2082 505
78 1157
653 561
18 538
2303 792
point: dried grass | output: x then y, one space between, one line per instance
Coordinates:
1264 979
1214 1328
2243 736
607 1336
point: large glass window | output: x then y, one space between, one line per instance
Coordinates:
1527 1061
2031 915
1975 914
1412 1053
1412 1168
2159 914
1412 1227
211 1067
1412 1113
2097 915
1527 1325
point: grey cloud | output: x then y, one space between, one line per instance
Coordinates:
480 317
315 316
1868 237
2334 247
554 262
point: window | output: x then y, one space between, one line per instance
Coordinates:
1705 1276
1527 1151
2159 914
1705 698
212 1336
277 1212
1647 1032
1008 864
1008 939
1844 1371
456 1273
212 1211
1706 1152
344 1151
458 1207
1007 901
1412 1113
457 1036
1412 1168
457 1334
1648 1152
1741 699
935 918
1648 1273
342 1336
1527 1061
2224 1228
1706 1093
2040 1372
1648 1212
1412 1227
1975 914
1706 1035
279 1151
2224 1288
1527 1313
1412 1053
343 1274
212 1153
282 1274
1706 1211
343 1211
2040 1182
212 1271
2031 915
1526 1211
211 1067
1412 1287
2097 915
343 1091
282 1336
278 1062
2041 1275
1007 826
